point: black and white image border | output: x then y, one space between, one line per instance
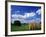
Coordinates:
25 13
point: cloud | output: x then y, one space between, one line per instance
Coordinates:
37 20
22 20
38 11
18 16
30 14
22 17
26 15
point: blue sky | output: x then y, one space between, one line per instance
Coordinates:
25 14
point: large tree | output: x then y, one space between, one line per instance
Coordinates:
17 23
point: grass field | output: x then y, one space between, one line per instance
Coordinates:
20 28
24 28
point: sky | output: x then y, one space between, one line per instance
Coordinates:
25 14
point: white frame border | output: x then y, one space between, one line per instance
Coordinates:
24 32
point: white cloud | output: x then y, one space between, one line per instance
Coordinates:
37 20
26 15
30 14
38 11
22 17
18 16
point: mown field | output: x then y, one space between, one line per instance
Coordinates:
24 27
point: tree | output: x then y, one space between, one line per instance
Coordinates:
17 23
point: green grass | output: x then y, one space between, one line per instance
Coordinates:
19 28
23 28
